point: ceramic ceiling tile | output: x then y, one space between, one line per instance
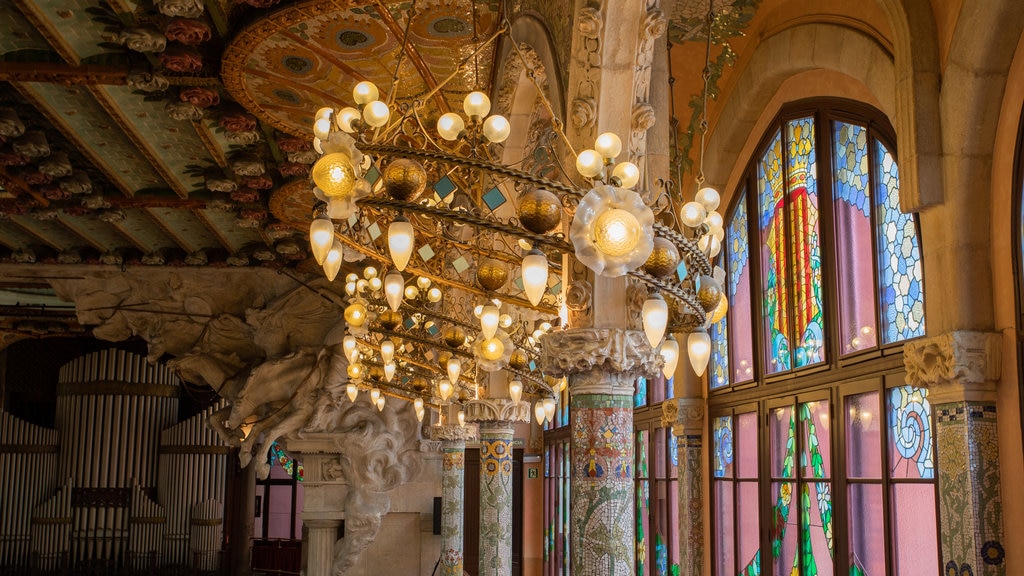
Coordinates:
16 33
235 236
78 115
100 234
144 232
173 143
14 237
73 28
186 228
55 234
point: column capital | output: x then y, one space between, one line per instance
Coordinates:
604 351
321 523
446 434
959 365
497 410
686 415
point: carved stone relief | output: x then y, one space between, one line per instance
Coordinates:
959 358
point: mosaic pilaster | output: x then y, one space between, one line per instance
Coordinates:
686 416
602 365
453 482
960 369
496 417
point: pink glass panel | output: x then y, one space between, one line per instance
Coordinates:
816 450
915 538
863 445
747 537
660 453
783 442
867 537
786 506
725 557
746 445
279 517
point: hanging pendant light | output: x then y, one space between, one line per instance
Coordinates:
670 352
380 403
549 409
401 241
418 404
353 391
539 413
445 389
348 345
387 351
462 418
374 395
489 317
515 391
321 238
332 262
394 288
419 414
535 275
454 369
389 372
698 345
655 318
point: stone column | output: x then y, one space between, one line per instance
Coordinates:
496 418
602 365
687 417
321 534
243 521
325 489
960 370
453 482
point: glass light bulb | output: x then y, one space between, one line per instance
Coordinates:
374 394
355 314
361 286
497 128
655 319
538 413
321 238
380 403
489 321
589 163
322 128
710 245
720 310
401 241
332 262
709 197
450 125
389 372
348 346
345 117
324 112
434 294
353 391
365 92
423 282
376 114
394 287
351 277
454 369
535 275
608 145
505 320
355 371
493 349
627 173
714 220
549 408
693 214
318 145
616 232
369 272
445 389
411 292
375 284
334 174
420 412
418 403
462 418
698 345
387 350
670 352
476 104
515 391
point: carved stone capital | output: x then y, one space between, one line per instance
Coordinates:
961 365
497 410
430 445
606 350
462 434
686 415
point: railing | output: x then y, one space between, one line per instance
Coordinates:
276 557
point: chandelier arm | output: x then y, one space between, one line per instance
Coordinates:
411 13
696 257
686 298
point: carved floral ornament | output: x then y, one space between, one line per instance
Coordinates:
959 358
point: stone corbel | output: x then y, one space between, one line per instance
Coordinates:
599 358
955 366
497 410
443 433
686 415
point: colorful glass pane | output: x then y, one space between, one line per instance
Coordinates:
723 446
746 445
741 336
640 393
815 449
774 269
277 455
910 433
899 260
852 217
805 245
725 516
719 353
748 540
866 532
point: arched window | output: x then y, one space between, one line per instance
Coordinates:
822 456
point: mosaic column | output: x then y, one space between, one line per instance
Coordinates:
960 370
686 415
495 418
602 365
453 483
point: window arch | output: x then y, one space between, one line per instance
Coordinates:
822 457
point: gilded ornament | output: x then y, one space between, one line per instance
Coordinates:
519 360
405 179
454 336
540 211
491 274
709 294
389 319
419 384
664 259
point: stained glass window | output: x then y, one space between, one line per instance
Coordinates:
741 339
736 537
556 509
774 271
642 502
900 274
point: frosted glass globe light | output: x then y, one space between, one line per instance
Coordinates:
515 391
476 104
493 349
608 145
454 369
627 173
698 345
655 319
693 214
389 371
345 117
352 390
356 371
376 113
334 174
423 282
535 275
374 394
709 197
411 292
714 220
710 245
365 92
332 262
445 389
321 238
369 272
401 241
489 321
497 128
355 314
434 294
376 284
322 128
549 409
589 163
670 352
462 418
418 404
380 403
348 345
450 125
387 350
324 112
538 412
616 232
394 287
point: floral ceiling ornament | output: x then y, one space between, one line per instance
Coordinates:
180 8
